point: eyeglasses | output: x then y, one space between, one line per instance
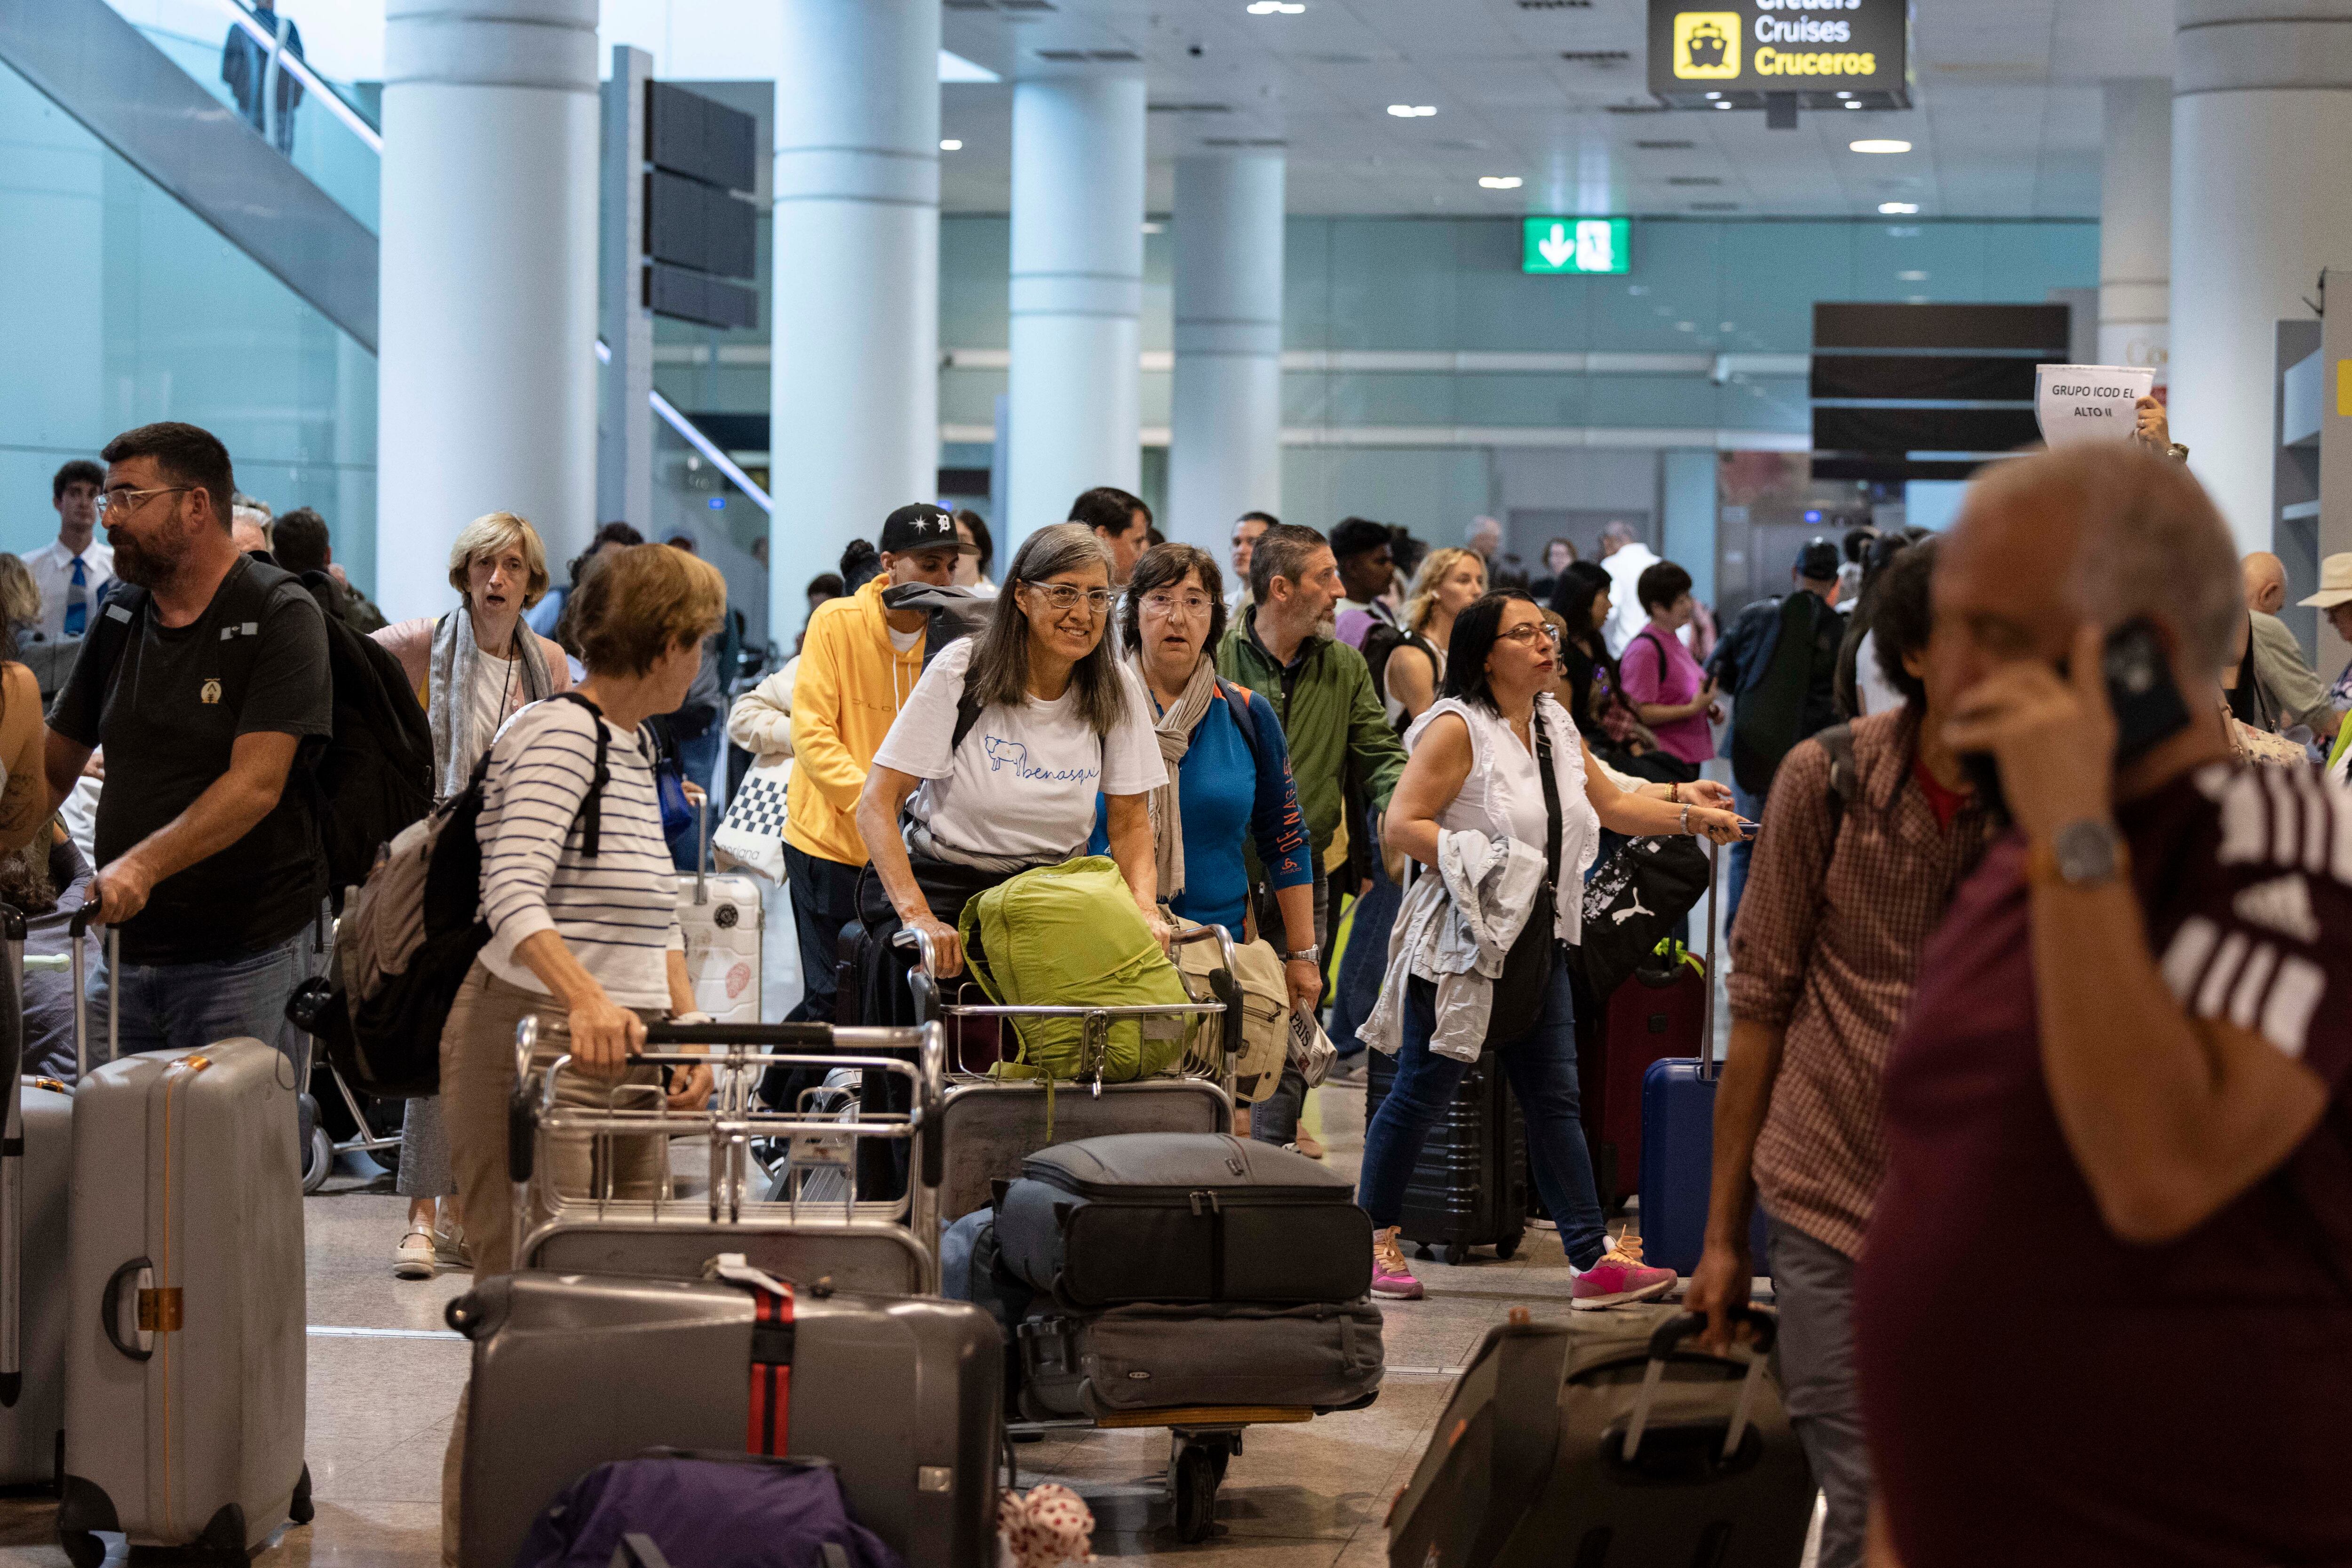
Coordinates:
1193 605
1526 635
122 500
1063 598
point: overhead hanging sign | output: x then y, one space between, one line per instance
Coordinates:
2089 403
1557 245
1705 54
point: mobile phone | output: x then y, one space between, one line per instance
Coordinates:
2148 707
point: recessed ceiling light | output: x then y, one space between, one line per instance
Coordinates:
1412 111
1715 95
951 144
1275 8
1151 228
1898 209
1499 181
1723 106
1850 103
1842 93
1912 277
1872 145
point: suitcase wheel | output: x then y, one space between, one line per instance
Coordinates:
83 1548
1506 1248
300 1511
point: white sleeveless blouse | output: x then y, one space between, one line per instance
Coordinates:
1503 796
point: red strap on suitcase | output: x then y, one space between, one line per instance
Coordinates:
771 1372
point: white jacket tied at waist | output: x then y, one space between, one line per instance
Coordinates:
1454 929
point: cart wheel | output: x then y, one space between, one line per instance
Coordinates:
1421 1250
1196 1493
388 1158
83 1549
1223 1457
1506 1248
318 1159
1448 1252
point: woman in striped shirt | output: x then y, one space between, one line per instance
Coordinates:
579 897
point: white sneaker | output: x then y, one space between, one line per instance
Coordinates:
414 1258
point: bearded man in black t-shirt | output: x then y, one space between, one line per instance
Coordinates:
207 684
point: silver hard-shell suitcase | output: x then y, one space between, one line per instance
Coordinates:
903 1396
184 1353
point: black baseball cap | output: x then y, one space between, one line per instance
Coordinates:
1818 561
921 526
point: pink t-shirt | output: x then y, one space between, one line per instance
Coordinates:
1676 678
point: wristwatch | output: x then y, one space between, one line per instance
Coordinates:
2082 854
1311 954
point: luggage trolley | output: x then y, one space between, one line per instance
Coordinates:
988 1125
879 1247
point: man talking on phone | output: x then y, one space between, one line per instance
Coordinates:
2103 1310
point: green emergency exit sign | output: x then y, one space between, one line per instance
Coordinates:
1576 245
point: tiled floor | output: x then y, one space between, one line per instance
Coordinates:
1309 1496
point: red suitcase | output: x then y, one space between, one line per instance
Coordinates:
1655 1013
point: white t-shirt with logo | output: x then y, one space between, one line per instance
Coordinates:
1023 782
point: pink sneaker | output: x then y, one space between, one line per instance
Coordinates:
1391 1280
1620 1278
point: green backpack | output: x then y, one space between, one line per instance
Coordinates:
1069 934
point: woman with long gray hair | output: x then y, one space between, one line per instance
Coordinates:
997 758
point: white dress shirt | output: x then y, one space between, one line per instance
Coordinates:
1626 616
52 569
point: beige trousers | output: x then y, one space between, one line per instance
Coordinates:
478 1079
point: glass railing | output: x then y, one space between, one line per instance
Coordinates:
251 60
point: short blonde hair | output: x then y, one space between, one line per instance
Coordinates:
487 536
641 601
1434 569
20 597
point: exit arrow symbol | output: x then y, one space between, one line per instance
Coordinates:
1557 247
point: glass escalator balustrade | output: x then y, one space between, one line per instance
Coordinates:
250 58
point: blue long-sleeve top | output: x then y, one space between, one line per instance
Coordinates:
1223 794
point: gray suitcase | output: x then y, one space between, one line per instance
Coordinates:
1608 1435
185 1353
902 1396
1144 1358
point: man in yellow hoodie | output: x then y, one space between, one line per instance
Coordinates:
859 662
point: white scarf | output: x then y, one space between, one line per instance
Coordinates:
449 680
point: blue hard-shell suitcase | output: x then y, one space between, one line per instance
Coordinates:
1678 1139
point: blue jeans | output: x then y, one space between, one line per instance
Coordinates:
185 1006
1541 1067
1366 961
1736 880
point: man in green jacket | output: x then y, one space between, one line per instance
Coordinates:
1340 742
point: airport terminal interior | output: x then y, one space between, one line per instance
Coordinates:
1187 625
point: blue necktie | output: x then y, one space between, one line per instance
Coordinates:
78 602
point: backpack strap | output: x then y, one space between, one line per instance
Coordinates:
591 804
117 618
1237 697
967 714
1844 786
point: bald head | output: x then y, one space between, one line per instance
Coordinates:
2265 581
2101 533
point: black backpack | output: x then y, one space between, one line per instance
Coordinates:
375 774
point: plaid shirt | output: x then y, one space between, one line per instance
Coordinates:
1826 949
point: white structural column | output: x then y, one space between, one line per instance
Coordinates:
854 376
1224 453
486 376
2135 224
2261 113
1078 290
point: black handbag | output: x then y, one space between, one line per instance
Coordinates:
1632 902
1526 980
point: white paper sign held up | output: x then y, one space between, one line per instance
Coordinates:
2089 403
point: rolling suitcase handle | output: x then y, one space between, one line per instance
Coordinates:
1707 1007
75 928
701 849
1672 1333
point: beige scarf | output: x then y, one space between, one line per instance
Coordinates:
1174 733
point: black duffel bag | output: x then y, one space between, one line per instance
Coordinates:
1632 902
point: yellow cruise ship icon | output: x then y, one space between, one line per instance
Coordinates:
1707 44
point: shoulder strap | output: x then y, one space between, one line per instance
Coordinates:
1237 696
591 804
967 714
116 619
1838 741
1551 801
